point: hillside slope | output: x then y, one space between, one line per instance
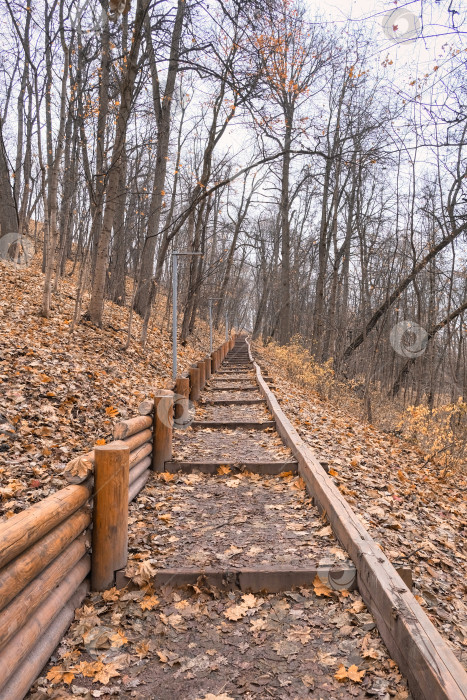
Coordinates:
62 391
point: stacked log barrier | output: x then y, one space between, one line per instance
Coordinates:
44 576
46 562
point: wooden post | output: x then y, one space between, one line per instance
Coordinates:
207 365
213 362
163 423
110 513
194 383
182 388
202 374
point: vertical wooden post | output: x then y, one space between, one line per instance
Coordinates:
110 513
213 362
207 366
182 388
202 374
163 423
194 383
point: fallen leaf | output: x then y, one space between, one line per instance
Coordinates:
352 673
321 588
223 469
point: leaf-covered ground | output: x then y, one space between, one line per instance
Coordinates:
200 643
417 517
203 644
62 391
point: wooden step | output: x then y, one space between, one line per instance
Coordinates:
233 425
271 468
270 578
234 387
231 378
226 402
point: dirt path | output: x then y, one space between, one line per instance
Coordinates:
219 641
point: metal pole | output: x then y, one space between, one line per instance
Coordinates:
210 325
211 299
174 315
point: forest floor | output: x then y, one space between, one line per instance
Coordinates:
62 391
201 642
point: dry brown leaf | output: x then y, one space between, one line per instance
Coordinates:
325 531
149 602
166 476
299 484
223 469
321 588
111 594
57 675
118 639
236 612
352 673
357 607
79 468
107 672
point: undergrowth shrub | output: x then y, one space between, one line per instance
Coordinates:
300 367
440 433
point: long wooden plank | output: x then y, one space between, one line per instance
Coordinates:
138 484
38 621
31 667
129 427
271 468
254 579
29 564
13 617
233 424
432 670
23 529
226 402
